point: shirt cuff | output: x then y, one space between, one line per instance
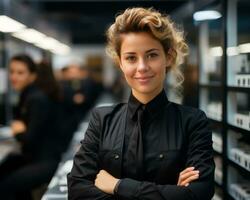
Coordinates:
127 188
117 185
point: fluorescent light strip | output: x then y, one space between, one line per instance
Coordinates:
61 49
30 35
216 51
8 25
232 51
48 43
33 36
244 48
206 15
54 46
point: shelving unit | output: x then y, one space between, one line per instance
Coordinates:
217 142
224 94
218 170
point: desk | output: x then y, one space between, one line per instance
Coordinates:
8 144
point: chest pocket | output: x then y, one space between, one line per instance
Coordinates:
170 164
110 161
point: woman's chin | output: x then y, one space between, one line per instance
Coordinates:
145 90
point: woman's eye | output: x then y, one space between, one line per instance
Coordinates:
131 58
152 55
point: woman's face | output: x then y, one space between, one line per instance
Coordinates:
19 75
143 62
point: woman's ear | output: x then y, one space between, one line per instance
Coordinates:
169 61
170 57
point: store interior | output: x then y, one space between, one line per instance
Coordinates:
216 71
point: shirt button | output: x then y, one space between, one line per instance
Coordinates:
161 156
116 156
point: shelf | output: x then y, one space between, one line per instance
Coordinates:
217 153
213 120
211 86
217 142
224 88
236 165
238 152
239 89
239 191
238 128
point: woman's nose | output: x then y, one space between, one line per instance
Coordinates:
142 65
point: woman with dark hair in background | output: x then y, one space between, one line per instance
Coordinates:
149 147
35 127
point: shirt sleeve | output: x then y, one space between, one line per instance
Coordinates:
85 167
199 155
38 113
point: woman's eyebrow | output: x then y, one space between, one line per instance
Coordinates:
148 51
152 50
129 53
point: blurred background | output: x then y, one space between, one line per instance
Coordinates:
69 37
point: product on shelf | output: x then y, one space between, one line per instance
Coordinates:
217 142
243 77
218 170
243 80
241 155
214 110
240 191
242 120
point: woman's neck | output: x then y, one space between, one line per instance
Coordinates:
144 98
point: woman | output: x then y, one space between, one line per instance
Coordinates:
148 148
34 127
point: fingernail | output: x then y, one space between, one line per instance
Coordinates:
187 184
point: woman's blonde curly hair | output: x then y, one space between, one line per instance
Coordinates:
155 23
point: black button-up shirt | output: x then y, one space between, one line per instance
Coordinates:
151 110
174 137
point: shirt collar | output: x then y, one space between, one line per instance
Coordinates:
155 105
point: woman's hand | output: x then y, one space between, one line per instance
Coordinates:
105 182
188 175
17 127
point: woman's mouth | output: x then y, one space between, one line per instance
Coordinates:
144 79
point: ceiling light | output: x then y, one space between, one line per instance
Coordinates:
206 15
244 48
8 25
29 35
232 51
61 49
47 43
216 51
54 46
32 36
